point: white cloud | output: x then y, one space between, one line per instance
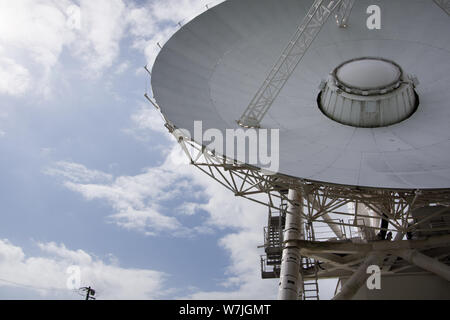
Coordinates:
149 221
14 78
138 201
122 67
35 33
77 173
146 121
32 36
102 26
243 277
141 203
37 26
78 257
47 274
158 20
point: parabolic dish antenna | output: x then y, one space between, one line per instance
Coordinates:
352 112
363 116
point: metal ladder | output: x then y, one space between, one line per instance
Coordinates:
310 287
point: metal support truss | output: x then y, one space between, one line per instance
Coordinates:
444 4
319 199
343 12
326 205
288 61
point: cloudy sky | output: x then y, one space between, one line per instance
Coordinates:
91 178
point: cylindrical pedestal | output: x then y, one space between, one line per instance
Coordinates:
290 277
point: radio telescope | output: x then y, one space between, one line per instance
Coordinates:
363 112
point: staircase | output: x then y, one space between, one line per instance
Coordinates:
273 246
273 243
274 240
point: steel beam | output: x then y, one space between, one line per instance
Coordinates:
358 279
425 262
312 247
334 227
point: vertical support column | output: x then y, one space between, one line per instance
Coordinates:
334 227
290 277
366 232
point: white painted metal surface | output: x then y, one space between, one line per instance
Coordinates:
444 4
369 93
368 73
426 263
212 67
285 65
343 12
358 279
407 287
290 276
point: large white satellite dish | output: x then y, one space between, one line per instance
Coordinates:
210 69
364 119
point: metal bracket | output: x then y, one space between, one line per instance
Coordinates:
343 12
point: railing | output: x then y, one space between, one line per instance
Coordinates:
323 232
171 29
168 32
269 271
359 230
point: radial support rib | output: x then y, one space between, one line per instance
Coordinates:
287 62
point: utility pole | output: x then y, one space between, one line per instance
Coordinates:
90 293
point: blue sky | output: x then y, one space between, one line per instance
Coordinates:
90 177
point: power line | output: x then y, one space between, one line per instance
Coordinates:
90 293
27 286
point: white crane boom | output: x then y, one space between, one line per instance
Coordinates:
291 56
